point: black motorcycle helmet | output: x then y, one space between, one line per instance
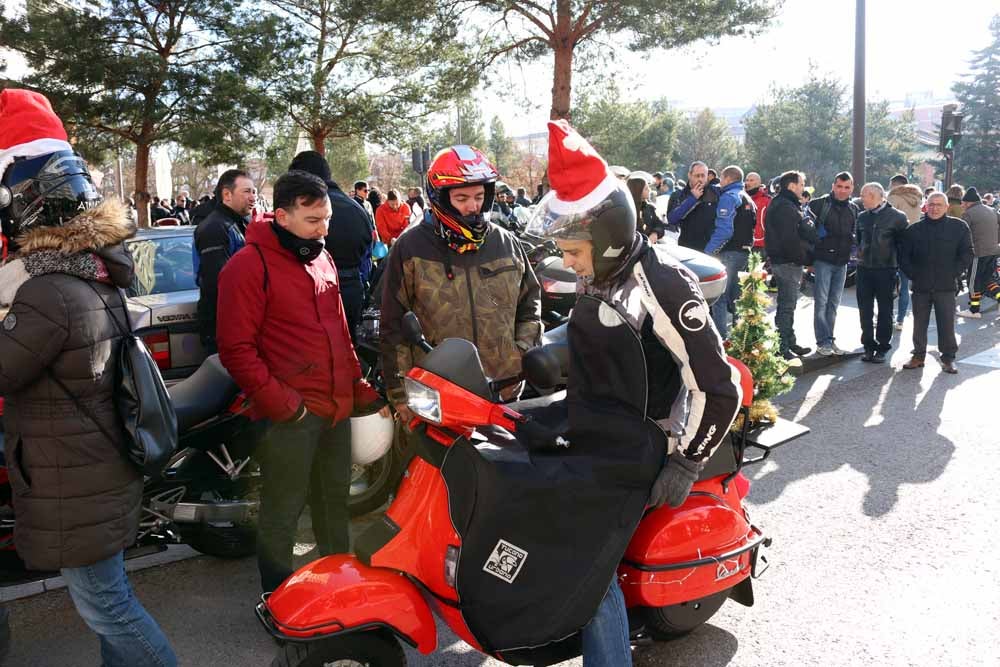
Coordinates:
587 202
609 224
49 190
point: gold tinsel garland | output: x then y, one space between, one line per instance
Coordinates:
761 410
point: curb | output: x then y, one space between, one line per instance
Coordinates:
172 554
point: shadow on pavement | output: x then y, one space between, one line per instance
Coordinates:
708 646
894 441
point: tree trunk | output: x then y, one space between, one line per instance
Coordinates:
563 43
142 183
319 141
562 81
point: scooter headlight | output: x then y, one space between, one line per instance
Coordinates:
422 400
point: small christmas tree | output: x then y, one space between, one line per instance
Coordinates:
754 341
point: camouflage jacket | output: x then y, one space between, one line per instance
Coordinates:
490 297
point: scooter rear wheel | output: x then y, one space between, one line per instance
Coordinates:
363 649
679 619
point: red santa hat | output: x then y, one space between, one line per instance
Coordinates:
579 176
28 127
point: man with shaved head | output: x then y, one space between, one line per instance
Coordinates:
758 193
934 253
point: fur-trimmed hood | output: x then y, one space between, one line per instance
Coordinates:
102 226
90 246
908 192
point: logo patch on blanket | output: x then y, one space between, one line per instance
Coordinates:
506 561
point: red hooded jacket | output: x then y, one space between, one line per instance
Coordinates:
761 199
284 337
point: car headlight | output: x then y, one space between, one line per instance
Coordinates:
422 400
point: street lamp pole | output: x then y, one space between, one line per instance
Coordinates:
858 145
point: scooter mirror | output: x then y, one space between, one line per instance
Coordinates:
542 367
412 332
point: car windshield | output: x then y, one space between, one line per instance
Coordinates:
162 265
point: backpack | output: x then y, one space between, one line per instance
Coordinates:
141 400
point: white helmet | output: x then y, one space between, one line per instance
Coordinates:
371 438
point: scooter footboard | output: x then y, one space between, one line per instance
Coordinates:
339 595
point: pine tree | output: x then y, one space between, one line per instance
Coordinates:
754 341
977 159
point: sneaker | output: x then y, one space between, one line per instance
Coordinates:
879 358
788 355
868 356
825 351
898 326
968 314
799 350
836 350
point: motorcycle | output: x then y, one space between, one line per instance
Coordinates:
679 568
207 496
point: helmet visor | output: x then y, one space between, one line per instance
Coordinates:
554 219
49 190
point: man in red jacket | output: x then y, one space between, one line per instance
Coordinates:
283 336
761 199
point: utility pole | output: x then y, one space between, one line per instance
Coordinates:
858 145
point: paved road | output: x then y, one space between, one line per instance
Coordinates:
882 518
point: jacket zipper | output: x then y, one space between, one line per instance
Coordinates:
472 307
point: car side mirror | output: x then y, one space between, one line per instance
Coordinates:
542 367
413 333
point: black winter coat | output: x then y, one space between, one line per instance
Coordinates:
835 222
786 232
76 499
879 234
351 234
934 253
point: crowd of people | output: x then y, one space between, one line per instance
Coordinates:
899 239
282 296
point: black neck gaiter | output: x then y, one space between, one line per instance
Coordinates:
305 250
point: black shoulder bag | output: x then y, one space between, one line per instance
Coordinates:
141 400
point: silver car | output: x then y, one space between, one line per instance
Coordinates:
163 299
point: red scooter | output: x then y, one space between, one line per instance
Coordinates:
678 569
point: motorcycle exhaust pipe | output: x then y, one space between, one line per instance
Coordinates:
230 511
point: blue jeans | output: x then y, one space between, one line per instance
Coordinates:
788 278
103 598
734 261
829 288
903 307
605 638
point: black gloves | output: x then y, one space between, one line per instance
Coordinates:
675 481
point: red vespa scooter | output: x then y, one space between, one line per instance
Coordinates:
678 569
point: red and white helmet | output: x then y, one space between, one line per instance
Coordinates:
457 167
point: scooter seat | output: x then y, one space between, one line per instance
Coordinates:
204 394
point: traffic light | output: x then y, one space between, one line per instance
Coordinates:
868 158
951 128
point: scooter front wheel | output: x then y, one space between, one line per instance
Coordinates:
363 649
679 619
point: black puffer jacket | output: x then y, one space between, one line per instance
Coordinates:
880 232
935 252
76 498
